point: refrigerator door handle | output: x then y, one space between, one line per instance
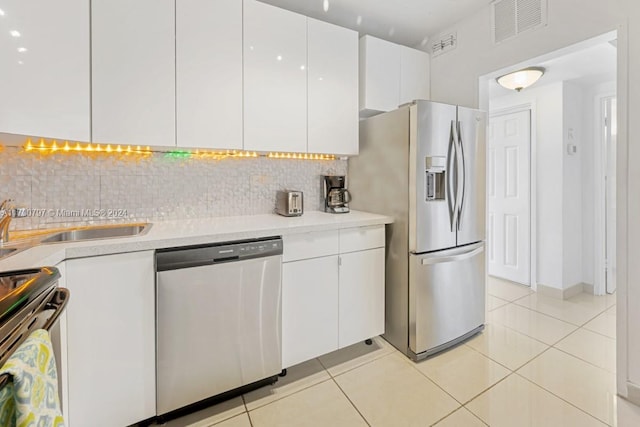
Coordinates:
452 176
451 258
462 176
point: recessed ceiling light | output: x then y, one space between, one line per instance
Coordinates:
15 33
325 5
302 67
359 20
1 12
22 49
279 57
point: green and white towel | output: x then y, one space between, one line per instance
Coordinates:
31 399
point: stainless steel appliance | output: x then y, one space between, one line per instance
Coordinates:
336 197
218 319
424 165
289 203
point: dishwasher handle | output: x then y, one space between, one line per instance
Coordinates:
196 256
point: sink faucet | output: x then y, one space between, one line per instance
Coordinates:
8 211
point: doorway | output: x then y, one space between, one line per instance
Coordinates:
572 199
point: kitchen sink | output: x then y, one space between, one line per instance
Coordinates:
98 232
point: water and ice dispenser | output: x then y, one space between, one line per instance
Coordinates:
435 175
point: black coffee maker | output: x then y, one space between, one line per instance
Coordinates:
336 196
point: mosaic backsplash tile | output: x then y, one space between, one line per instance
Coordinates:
69 189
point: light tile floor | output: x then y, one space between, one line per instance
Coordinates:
539 362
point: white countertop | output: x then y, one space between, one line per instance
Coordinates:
185 232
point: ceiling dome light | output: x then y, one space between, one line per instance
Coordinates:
521 79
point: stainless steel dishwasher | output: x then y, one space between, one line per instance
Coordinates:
218 319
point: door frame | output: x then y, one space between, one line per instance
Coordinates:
533 205
600 169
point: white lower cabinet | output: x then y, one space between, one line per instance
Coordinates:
361 296
309 309
332 291
109 334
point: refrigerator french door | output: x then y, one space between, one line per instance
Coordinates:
424 165
447 159
446 291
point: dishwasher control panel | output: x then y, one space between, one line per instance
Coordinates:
193 256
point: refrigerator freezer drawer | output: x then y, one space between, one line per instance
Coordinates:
446 298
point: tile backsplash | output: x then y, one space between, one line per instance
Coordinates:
69 188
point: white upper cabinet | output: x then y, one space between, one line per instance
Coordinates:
44 77
275 79
209 73
133 71
390 75
332 89
414 75
379 74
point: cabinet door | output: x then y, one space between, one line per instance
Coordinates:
361 296
209 73
414 74
110 323
133 71
44 77
332 88
275 79
379 74
309 309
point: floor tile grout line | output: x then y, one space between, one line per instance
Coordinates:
476 416
485 391
290 394
351 402
542 314
413 365
585 361
537 339
520 333
561 398
490 358
563 320
598 333
244 401
446 416
393 349
319 382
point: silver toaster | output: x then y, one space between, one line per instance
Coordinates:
289 203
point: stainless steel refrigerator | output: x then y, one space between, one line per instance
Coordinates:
424 165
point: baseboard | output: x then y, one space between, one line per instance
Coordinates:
633 393
589 289
556 293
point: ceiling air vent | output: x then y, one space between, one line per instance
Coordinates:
445 43
513 17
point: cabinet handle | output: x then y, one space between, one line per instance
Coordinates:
339 261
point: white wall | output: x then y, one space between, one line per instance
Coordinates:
572 131
454 75
547 103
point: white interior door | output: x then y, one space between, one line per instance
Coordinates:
508 185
